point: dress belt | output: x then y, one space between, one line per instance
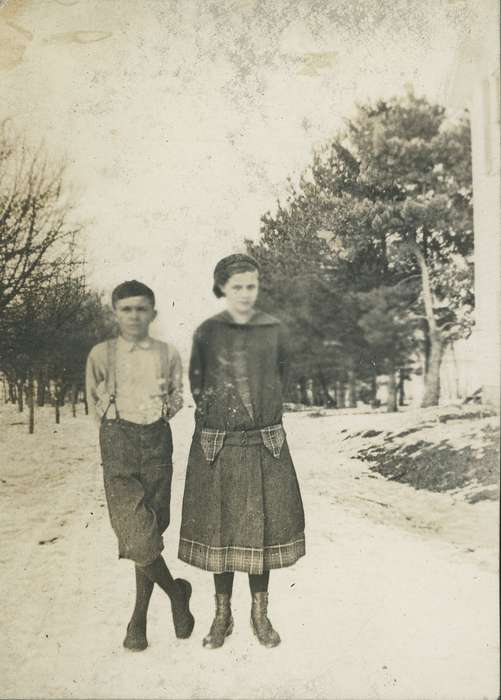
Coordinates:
213 440
243 437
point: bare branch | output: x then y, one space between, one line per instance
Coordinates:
33 214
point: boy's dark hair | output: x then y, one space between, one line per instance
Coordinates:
232 265
132 288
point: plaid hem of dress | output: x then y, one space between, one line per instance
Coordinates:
253 560
212 440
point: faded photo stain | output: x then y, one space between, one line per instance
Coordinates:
14 39
315 63
25 32
79 37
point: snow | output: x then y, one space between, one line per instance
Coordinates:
396 598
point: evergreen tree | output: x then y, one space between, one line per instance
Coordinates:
377 235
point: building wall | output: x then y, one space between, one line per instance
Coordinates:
487 223
476 85
460 376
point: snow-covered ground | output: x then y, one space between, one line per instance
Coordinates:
397 597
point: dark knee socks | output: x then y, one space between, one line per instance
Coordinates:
258 583
158 573
144 589
224 582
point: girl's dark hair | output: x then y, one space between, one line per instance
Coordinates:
132 288
231 265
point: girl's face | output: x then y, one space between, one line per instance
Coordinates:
241 291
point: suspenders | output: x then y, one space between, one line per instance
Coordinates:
111 379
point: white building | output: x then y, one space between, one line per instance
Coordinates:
477 82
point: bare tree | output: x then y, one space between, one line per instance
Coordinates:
34 216
48 316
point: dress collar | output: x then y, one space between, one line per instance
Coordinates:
259 318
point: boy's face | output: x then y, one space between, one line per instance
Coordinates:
134 315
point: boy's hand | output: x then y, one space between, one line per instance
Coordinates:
103 400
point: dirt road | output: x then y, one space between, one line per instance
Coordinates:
397 597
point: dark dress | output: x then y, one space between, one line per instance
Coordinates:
242 508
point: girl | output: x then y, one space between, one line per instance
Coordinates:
242 509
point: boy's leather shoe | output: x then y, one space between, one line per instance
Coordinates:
135 639
181 614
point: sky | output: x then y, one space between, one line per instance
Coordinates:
182 120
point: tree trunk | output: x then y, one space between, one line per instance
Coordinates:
302 384
427 346
392 403
63 390
457 383
431 396
324 388
352 389
20 397
41 388
335 397
340 394
374 399
12 392
31 403
309 393
57 398
74 394
86 403
401 388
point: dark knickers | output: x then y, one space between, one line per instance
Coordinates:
137 472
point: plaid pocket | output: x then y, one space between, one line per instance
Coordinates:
273 439
211 442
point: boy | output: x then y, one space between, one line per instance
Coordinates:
134 387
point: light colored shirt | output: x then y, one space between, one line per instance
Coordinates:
148 375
